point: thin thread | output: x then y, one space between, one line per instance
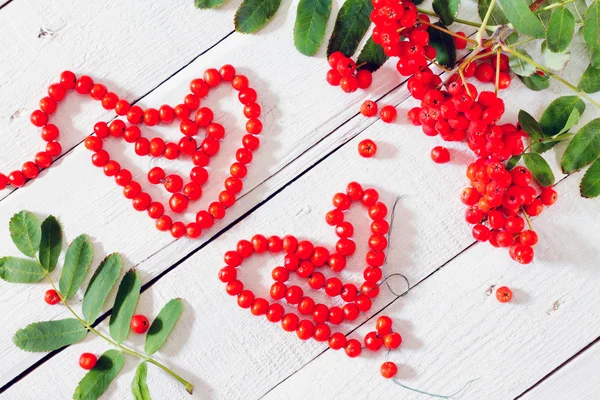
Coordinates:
440 396
392 217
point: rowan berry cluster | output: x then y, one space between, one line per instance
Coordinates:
344 73
495 199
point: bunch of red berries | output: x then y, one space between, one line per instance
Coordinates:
484 70
344 73
399 30
495 199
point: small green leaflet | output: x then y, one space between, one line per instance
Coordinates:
77 261
124 308
512 162
591 26
97 380
536 82
583 149
555 61
444 46
208 3
525 22
371 56
20 270
557 114
590 184
539 168
254 14
572 121
530 125
311 21
139 387
519 66
50 244
590 80
595 58
578 8
162 326
497 17
351 24
100 286
560 30
26 232
49 335
446 10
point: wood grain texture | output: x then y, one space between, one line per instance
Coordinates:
229 353
579 379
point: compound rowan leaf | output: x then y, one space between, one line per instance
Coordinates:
560 30
539 168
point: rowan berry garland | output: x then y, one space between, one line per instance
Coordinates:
193 120
316 320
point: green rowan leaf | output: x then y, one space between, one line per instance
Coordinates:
497 17
124 308
590 184
560 30
352 22
583 149
522 18
539 168
204 4
162 326
254 14
100 286
556 116
20 270
444 46
139 387
97 380
590 80
519 66
77 261
591 26
49 335
371 56
446 10
311 22
50 244
26 232
536 82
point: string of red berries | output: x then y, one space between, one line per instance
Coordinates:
315 320
192 120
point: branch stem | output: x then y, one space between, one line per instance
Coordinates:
188 386
551 74
449 32
488 14
460 21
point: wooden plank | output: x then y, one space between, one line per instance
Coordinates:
578 379
221 337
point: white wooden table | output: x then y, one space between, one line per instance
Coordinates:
542 345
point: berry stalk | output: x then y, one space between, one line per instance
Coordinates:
460 21
188 386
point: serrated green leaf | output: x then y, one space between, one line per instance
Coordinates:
50 244
77 261
444 46
254 14
595 58
591 26
497 17
162 326
554 61
572 121
519 66
590 183
49 335
371 56
520 16
204 4
352 22
100 286
530 125
512 162
560 30
577 8
26 232
97 380
590 80
311 21
557 114
446 10
139 387
539 168
583 149
536 82
20 270
124 308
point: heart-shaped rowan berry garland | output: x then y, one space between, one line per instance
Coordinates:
181 193
305 259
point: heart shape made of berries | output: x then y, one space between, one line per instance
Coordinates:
305 259
181 193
